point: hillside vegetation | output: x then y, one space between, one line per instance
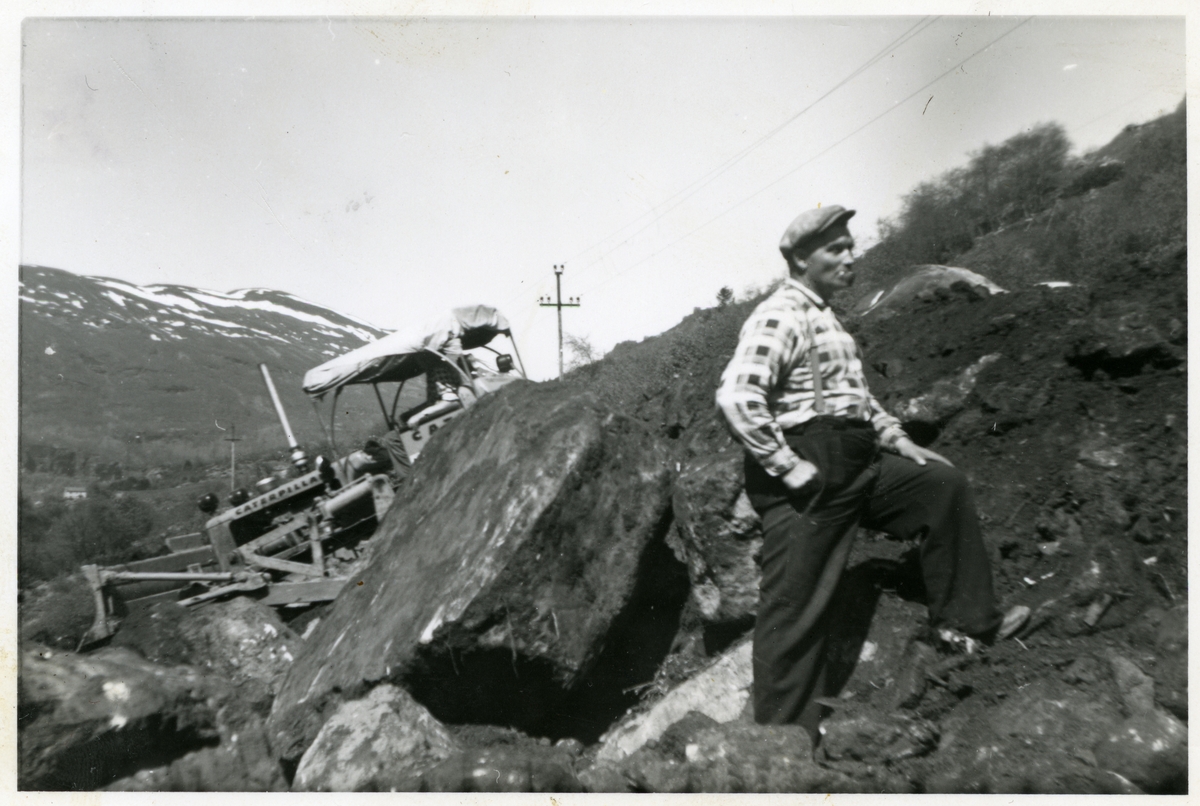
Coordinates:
1025 210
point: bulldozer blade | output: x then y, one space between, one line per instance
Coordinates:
319 590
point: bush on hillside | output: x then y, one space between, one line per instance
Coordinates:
1001 185
1138 220
56 540
59 613
1006 215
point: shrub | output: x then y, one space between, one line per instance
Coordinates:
59 615
101 529
1002 184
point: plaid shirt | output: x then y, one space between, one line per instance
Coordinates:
768 386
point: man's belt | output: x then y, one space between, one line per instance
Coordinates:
826 422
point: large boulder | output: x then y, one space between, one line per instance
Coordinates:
925 282
1048 710
381 743
241 641
718 536
1038 739
501 573
1149 749
87 720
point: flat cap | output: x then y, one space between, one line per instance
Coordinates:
808 225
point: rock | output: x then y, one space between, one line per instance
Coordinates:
1047 711
1122 344
1163 636
1149 749
717 535
869 645
1143 532
698 755
911 682
156 779
504 769
604 776
242 763
1137 687
946 397
1001 767
381 743
990 749
1093 173
240 640
872 737
1171 634
1008 406
1171 683
1063 529
719 692
496 580
649 771
919 282
740 757
87 720
570 745
1084 669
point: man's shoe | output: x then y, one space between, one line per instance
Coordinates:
1014 621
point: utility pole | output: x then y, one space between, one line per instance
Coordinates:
232 439
572 302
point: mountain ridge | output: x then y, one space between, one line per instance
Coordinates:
158 373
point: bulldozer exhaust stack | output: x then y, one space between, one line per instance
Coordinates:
299 458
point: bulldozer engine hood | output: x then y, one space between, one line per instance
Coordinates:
409 352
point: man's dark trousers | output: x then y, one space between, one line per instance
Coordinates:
806 541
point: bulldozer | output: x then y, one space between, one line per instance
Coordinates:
294 542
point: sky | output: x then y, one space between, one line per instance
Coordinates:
392 168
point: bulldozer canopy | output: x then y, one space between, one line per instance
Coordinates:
409 352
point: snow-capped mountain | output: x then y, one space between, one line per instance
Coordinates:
174 312
106 364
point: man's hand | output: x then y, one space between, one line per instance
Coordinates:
911 450
800 476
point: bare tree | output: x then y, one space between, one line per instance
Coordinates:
582 352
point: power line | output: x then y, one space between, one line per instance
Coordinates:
810 160
1118 108
687 192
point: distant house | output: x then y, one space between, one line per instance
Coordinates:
74 493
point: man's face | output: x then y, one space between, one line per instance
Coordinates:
829 267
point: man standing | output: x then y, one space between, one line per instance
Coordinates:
823 457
